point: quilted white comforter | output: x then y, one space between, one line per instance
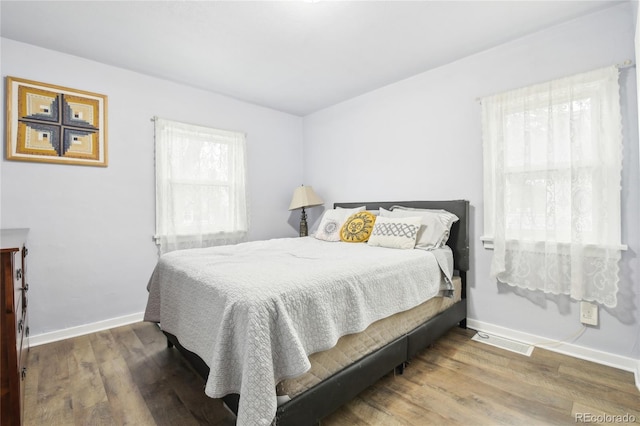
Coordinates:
254 311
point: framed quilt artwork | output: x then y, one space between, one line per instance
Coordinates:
55 124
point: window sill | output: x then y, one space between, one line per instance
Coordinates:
222 235
487 243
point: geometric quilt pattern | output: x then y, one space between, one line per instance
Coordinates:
57 124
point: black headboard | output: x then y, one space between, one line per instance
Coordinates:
459 237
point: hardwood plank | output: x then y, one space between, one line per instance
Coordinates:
125 400
130 377
31 385
602 372
153 382
462 362
133 351
524 369
484 396
444 406
99 414
165 405
362 408
610 378
189 388
345 416
88 395
53 404
386 398
185 382
151 337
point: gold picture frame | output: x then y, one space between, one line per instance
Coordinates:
55 124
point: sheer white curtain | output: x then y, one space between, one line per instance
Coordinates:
200 186
552 175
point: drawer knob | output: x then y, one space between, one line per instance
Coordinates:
20 326
26 287
19 274
23 373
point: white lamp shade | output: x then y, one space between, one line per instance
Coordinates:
304 196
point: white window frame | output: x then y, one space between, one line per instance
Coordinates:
172 140
556 226
487 238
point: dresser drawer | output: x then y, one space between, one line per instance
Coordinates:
25 296
24 284
13 325
19 325
17 280
23 351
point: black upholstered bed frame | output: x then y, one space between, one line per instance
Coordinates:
312 405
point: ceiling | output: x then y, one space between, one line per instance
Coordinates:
293 56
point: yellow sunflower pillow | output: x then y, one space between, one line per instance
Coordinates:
357 228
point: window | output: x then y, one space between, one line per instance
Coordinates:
552 175
200 186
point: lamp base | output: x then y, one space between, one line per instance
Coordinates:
303 224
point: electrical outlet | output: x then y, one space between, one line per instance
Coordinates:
588 313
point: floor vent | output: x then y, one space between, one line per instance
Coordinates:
499 342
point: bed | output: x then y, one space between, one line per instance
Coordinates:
273 348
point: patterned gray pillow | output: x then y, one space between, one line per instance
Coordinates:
395 232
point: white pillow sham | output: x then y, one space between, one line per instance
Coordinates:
355 209
361 209
436 224
332 221
400 233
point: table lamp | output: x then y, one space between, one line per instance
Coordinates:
304 196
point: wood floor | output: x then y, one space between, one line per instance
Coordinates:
127 376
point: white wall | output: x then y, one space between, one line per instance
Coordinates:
91 250
420 138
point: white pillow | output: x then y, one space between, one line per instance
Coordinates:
332 221
398 233
355 209
436 224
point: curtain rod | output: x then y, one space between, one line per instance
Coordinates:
626 64
155 118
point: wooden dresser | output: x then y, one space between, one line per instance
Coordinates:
13 323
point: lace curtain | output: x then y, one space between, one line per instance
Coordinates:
200 186
552 175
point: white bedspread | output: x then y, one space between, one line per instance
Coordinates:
254 311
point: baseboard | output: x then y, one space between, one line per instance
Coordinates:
67 333
600 357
